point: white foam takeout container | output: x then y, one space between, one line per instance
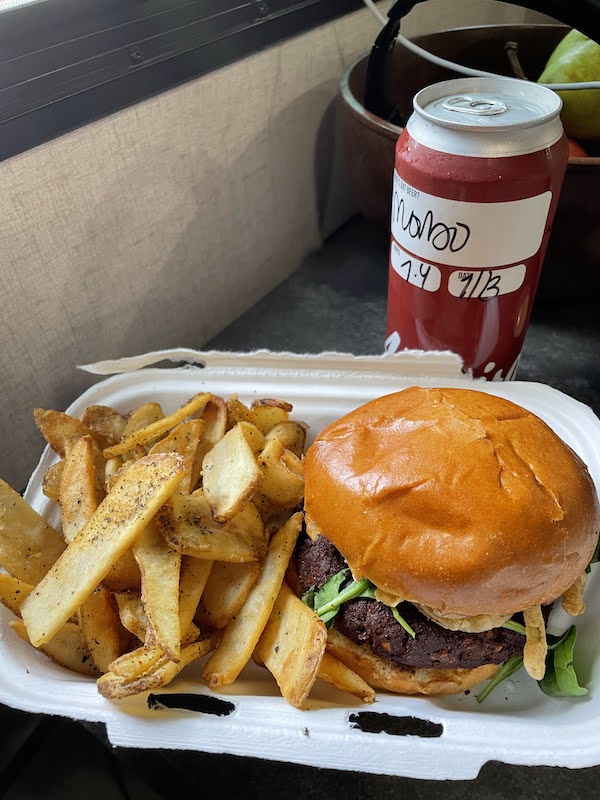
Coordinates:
517 724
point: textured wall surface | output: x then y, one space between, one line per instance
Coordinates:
159 225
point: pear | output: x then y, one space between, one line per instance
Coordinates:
576 58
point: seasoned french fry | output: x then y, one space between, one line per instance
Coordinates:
61 430
105 421
142 417
291 434
194 575
119 519
78 492
242 634
267 413
51 481
13 592
185 440
123 575
292 645
160 674
101 628
131 665
66 647
159 428
214 417
159 567
343 678
187 524
226 591
230 474
237 412
283 475
132 614
29 546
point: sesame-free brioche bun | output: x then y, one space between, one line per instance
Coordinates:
454 499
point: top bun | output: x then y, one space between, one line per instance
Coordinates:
454 499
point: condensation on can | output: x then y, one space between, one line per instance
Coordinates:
478 172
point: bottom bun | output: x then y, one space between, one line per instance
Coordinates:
381 674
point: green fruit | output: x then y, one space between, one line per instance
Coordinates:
576 58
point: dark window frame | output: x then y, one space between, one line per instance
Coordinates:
65 63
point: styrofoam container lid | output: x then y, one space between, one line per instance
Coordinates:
517 724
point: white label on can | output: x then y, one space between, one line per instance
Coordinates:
483 284
419 273
464 234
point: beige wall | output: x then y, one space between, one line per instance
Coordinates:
162 223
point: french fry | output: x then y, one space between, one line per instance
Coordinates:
65 648
161 673
242 634
131 665
267 413
123 575
291 434
292 646
159 566
283 475
132 614
185 440
51 481
61 430
214 417
237 412
226 591
343 678
78 488
230 474
101 628
119 519
29 546
105 421
195 573
13 592
187 524
158 429
141 417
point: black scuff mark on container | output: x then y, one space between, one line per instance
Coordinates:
187 701
375 722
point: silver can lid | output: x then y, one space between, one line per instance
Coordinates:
497 104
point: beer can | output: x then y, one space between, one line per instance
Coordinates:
478 173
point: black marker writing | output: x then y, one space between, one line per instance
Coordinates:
438 234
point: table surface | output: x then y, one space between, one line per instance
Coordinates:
336 301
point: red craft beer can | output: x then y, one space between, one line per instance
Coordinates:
478 172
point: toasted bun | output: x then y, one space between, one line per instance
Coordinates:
454 499
381 674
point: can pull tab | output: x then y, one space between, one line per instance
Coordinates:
478 106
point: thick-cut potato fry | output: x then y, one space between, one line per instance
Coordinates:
51 481
13 592
242 634
131 665
292 645
160 674
142 417
226 591
101 628
123 575
159 428
106 421
78 492
187 524
214 417
113 465
61 430
66 647
283 475
237 411
291 434
268 413
159 566
119 519
132 615
345 679
29 546
194 575
272 402
185 440
230 475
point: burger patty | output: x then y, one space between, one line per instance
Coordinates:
369 622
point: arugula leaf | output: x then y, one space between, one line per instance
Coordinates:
326 600
506 670
560 679
511 625
595 557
